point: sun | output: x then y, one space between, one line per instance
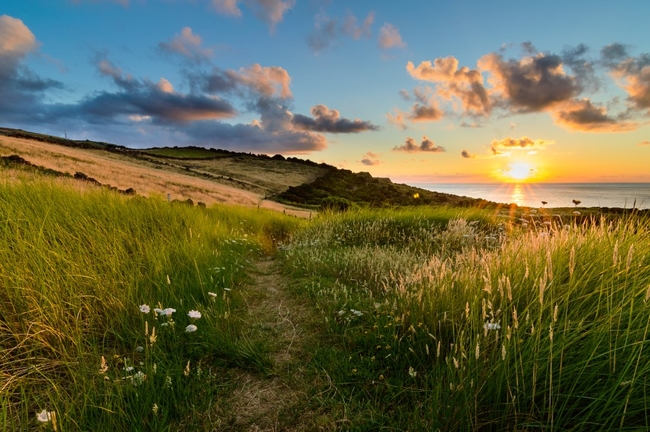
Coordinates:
519 171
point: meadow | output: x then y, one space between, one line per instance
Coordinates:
117 313
443 319
125 313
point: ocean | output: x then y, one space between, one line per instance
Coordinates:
623 195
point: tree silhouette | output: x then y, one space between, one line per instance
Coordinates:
576 202
544 203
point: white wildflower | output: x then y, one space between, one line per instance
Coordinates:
213 295
154 409
194 314
491 326
168 311
139 349
128 368
145 309
190 328
44 416
138 378
412 372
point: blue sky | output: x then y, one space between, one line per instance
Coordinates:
417 91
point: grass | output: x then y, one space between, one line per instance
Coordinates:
444 320
421 318
75 268
186 153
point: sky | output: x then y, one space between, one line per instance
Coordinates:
418 91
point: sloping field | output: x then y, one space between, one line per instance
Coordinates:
176 177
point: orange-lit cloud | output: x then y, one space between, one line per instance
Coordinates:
187 45
523 143
645 143
467 155
330 120
226 7
536 82
389 37
462 84
633 73
270 11
397 119
426 146
269 81
582 115
15 38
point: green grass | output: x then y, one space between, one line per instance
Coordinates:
75 266
437 319
422 319
186 153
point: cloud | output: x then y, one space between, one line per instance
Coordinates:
461 84
523 143
389 37
140 107
645 143
583 68
424 112
355 31
582 115
426 146
16 40
531 84
397 119
329 120
467 155
255 80
370 159
227 7
268 81
21 90
537 82
424 109
327 30
122 2
270 11
633 73
613 54
274 132
187 45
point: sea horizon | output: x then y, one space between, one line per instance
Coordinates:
555 195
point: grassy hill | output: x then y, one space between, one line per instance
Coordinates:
194 173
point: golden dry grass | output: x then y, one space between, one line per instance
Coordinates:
149 178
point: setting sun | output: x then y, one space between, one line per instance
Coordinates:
519 171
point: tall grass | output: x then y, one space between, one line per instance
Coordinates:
75 269
440 320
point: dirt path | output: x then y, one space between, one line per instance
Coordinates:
279 401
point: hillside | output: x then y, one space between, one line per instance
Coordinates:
211 175
201 175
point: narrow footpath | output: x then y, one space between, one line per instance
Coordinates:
279 401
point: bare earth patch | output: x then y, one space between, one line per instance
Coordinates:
279 401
